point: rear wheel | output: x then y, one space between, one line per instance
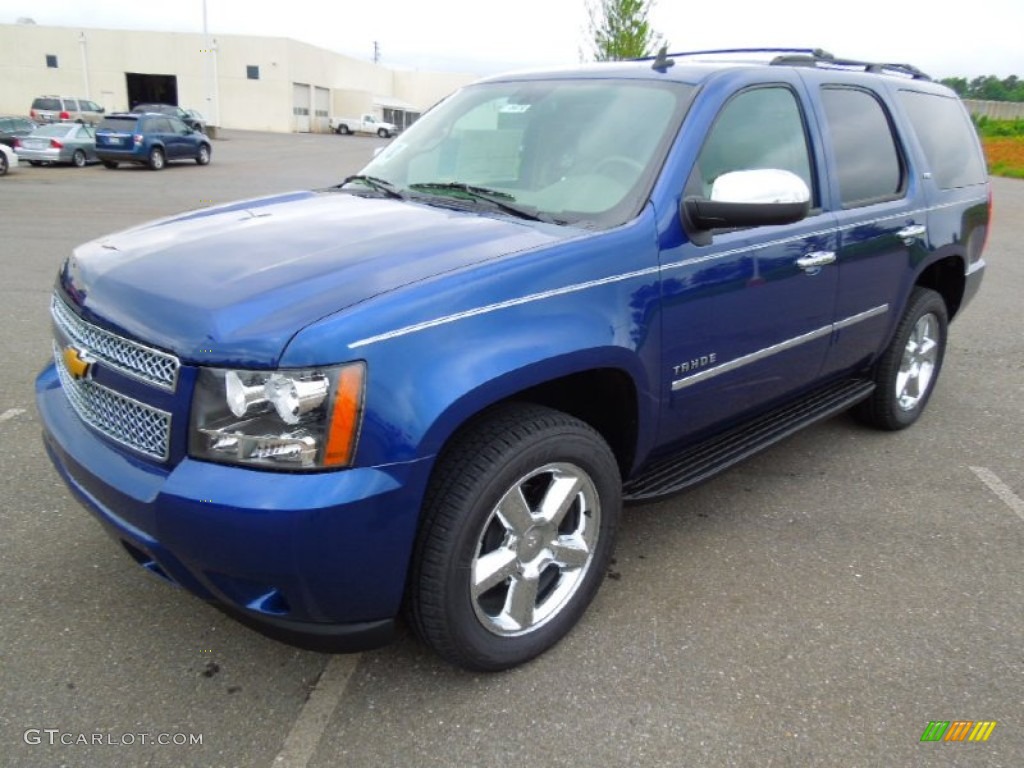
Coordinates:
518 528
344 130
157 159
906 373
383 133
78 159
203 156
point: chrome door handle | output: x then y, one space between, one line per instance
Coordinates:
911 232
816 260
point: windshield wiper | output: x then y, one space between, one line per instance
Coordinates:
376 184
501 200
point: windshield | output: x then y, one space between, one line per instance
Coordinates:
571 151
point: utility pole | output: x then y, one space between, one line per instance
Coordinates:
376 52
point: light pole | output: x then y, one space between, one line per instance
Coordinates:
83 43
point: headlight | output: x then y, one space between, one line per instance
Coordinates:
286 419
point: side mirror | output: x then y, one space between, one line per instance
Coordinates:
747 199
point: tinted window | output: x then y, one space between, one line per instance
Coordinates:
759 128
6 125
47 104
867 158
118 124
177 126
947 138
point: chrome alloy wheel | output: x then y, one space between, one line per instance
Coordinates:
535 549
917 368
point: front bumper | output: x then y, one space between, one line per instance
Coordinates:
316 559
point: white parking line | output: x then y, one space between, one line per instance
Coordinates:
1000 489
308 728
11 413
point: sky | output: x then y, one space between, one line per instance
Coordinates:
489 36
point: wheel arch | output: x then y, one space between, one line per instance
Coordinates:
947 277
605 395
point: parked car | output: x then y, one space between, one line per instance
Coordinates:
431 387
364 124
190 117
150 139
8 159
13 127
65 109
73 143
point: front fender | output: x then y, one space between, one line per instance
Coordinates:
441 351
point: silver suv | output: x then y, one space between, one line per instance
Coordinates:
65 109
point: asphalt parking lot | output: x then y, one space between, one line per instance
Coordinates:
815 606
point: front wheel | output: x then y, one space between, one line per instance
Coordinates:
203 156
157 159
518 528
3 164
906 373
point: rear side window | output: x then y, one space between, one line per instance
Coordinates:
868 160
947 138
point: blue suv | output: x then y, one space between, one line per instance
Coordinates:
430 389
149 139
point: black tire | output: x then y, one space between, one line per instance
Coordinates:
343 130
203 156
109 164
383 133
78 159
157 159
3 164
906 373
525 452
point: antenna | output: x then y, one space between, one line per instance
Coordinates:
662 62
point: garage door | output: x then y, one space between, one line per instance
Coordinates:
300 107
322 110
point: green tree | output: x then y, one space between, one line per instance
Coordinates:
619 29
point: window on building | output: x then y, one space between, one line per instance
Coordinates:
51 60
252 71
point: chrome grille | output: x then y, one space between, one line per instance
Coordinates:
133 424
129 357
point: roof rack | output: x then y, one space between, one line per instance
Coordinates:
802 57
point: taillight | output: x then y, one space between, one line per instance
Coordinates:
32 114
17 142
65 115
54 144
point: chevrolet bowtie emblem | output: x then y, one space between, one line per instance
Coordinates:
77 362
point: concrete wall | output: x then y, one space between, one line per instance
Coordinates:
996 110
230 99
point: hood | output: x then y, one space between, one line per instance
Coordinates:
232 284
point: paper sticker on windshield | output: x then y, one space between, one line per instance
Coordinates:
515 109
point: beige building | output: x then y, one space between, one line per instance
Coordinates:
253 83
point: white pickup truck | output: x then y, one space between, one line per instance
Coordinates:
364 124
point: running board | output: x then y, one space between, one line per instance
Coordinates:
719 452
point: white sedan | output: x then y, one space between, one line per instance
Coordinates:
8 159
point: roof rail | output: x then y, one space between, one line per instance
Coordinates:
806 57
